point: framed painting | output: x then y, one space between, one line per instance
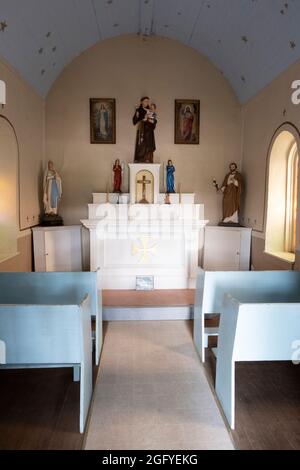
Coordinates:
103 120
187 121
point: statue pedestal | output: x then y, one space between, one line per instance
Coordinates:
144 183
229 224
49 220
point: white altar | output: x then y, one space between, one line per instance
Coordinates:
128 240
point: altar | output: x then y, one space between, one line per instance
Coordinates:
132 240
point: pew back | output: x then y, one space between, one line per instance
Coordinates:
41 334
45 288
247 286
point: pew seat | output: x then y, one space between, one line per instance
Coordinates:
45 321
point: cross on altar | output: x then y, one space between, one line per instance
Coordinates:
144 182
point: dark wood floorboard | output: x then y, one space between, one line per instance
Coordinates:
39 410
267 404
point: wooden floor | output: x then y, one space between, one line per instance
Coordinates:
39 409
267 404
155 298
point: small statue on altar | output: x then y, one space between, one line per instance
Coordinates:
231 189
117 170
52 190
170 177
52 193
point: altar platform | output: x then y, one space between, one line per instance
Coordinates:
164 304
154 298
130 241
143 239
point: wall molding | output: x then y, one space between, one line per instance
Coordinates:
24 233
257 234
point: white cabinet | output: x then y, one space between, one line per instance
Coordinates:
57 248
227 249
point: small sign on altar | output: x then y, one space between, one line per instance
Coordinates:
144 282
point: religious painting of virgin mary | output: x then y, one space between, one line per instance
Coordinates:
187 121
103 120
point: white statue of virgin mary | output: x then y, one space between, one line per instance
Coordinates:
52 190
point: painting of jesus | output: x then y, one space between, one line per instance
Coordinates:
187 114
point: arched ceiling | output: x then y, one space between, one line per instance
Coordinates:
250 41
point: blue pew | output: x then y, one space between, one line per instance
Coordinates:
44 288
211 287
48 332
267 328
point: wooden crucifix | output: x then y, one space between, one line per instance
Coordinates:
144 182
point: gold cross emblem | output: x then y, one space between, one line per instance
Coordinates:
144 248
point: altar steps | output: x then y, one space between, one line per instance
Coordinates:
130 305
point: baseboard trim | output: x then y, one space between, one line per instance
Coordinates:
147 313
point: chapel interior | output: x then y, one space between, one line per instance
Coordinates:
149 224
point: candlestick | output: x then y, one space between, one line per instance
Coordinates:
165 177
107 193
179 191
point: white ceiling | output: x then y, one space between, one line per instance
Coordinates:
250 41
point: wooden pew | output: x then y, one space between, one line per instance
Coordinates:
51 333
211 287
44 287
263 330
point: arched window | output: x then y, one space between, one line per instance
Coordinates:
281 227
9 223
291 200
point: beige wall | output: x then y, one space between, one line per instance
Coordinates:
22 262
262 115
126 68
25 111
262 261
